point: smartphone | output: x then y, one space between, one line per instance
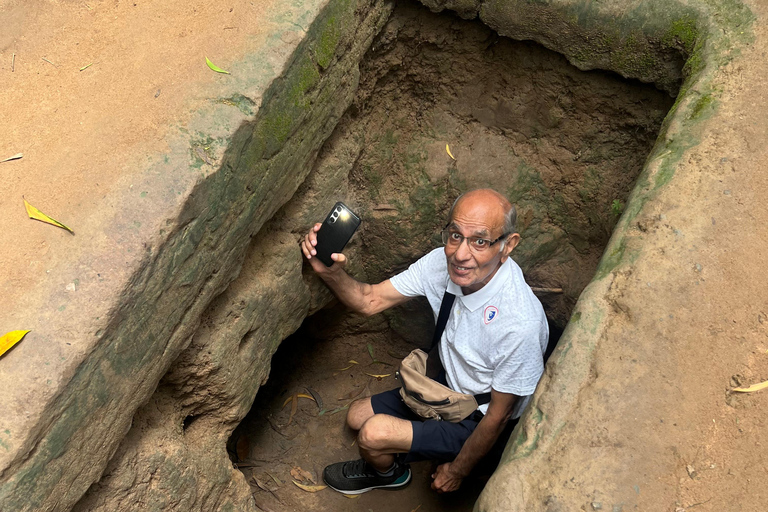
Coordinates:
337 229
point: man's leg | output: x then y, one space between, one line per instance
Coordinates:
380 435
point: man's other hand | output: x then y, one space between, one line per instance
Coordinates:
308 248
445 480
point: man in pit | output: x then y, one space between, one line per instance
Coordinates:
494 342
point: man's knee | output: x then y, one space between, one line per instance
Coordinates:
378 432
359 412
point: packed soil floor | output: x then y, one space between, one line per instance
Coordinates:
274 439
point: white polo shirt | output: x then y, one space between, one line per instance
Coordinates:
495 337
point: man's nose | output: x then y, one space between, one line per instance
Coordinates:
463 252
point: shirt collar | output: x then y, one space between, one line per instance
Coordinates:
484 294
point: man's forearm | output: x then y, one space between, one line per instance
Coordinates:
477 445
351 292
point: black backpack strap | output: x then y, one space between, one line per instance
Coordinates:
483 398
442 318
442 321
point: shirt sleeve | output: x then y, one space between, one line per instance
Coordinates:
519 368
412 282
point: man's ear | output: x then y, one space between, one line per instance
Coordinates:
509 244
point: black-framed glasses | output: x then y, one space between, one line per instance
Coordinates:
475 243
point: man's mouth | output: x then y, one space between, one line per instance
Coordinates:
462 269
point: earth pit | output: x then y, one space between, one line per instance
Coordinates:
565 146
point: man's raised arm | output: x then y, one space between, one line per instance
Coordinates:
360 297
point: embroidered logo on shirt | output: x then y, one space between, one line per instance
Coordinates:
490 313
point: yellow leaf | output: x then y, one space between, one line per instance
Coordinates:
448 150
352 361
753 387
302 395
351 496
294 408
10 339
379 376
36 214
215 67
309 488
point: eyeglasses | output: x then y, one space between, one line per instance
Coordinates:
475 243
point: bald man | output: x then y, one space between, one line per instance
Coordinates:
494 343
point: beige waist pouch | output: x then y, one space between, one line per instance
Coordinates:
427 397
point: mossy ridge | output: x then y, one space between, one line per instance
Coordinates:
258 152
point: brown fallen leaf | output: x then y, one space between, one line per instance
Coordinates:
302 475
309 488
265 483
316 397
417 508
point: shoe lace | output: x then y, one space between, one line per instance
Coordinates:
357 468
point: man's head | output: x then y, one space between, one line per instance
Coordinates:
479 237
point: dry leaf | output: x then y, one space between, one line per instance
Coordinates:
379 376
316 397
448 150
298 395
351 496
417 508
9 339
265 483
302 475
215 67
294 408
753 387
14 157
310 488
351 362
36 214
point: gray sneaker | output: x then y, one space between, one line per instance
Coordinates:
357 477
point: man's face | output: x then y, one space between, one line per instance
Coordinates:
477 217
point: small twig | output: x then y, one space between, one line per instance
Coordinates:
697 504
13 63
49 62
535 289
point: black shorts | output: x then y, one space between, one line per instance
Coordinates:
438 440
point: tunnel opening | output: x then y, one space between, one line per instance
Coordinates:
443 105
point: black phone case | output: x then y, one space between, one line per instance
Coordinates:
337 229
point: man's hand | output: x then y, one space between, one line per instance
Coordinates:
445 480
308 248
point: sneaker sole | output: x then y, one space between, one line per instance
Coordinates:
388 486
